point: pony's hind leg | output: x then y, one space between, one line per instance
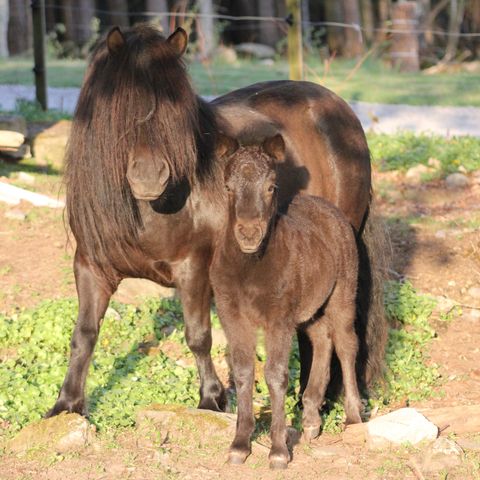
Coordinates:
93 297
196 295
278 344
314 394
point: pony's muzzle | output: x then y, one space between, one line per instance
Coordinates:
249 236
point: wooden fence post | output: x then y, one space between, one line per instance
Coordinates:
295 52
38 18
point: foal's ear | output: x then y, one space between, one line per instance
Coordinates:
115 40
178 40
225 146
275 147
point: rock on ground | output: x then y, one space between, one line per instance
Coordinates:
66 432
456 180
179 424
406 425
49 145
257 50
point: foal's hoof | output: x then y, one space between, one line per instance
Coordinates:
278 462
310 433
237 457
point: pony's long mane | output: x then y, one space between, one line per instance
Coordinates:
140 94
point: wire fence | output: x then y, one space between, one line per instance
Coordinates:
285 21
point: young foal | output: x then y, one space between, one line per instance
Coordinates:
277 271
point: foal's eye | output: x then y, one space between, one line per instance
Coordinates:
271 188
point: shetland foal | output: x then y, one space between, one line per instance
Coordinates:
278 271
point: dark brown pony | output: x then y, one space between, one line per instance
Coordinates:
144 189
281 271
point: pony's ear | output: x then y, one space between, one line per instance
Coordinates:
225 146
115 40
178 40
275 147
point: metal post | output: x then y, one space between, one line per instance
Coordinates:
295 51
39 33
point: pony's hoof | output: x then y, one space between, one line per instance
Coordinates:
236 457
310 433
278 462
351 419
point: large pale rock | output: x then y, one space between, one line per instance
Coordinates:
136 290
406 425
13 123
49 145
10 140
178 423
257 50
456 181
416 173
66 432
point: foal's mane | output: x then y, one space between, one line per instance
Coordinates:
140 94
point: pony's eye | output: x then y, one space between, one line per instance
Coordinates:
271 188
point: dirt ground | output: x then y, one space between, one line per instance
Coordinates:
436 245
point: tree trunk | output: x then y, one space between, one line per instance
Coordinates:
368 19
118 13
306 29
84 16
267 30
19 27
353 46
4 10
384 15
334 13
159 6
404 50
457 9
206 29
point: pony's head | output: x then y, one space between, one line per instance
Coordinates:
250 181
136 127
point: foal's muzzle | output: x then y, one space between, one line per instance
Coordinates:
249 236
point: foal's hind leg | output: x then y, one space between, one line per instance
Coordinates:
93 297
345 342
278 344
314 394
196 295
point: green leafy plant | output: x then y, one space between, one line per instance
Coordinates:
131 365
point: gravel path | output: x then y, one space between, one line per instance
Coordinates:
382 118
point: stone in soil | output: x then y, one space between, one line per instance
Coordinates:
183 425
443 454
66 432
49 145
456 181
405 425
474 292
15 215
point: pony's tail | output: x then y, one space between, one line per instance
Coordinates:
372 326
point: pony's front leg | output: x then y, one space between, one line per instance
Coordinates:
196 296
93 297
278 342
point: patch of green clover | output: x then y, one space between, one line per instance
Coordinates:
34 347
404 150
34 350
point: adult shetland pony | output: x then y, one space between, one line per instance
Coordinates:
144 194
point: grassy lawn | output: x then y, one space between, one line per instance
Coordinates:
373 81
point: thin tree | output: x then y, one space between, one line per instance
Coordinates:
457 10
4 11
159 6
353 46
19 26
206 28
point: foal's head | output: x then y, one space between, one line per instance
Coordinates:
250 180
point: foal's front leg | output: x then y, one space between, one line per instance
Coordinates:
278 344
93 296
241 342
